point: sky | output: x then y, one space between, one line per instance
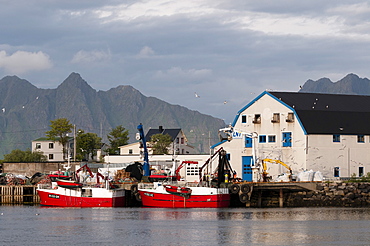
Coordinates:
212 56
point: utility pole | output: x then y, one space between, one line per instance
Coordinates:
74 143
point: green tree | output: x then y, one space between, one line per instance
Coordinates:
161 143
117 137
87 144
59 132
25 156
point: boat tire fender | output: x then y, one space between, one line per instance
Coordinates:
134 188
243 198
245 188
234 189
138 197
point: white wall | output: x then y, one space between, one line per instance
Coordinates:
293 156
348 154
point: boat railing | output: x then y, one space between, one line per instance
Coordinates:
44 186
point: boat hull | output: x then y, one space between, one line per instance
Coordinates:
163 199
64 197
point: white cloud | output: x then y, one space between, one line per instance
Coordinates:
83 56
23 61
175 73
145 52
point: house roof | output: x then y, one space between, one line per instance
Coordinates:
329 113
45 139
172 132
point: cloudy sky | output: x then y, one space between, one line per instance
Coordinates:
225 51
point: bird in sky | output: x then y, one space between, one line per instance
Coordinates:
196 95
225 102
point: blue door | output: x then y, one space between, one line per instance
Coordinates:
287 139
248 142
247 161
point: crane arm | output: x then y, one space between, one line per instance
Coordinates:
146 166
275 161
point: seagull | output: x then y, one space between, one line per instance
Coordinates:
3 109
225 102
196 95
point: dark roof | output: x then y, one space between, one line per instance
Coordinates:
172 132
329 113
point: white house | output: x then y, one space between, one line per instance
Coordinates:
179 143
52 150
323 132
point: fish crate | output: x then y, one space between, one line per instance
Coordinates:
121 175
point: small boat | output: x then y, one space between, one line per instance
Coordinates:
171 196
65 193
178 190
71 184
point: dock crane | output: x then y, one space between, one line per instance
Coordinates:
141 136
230 133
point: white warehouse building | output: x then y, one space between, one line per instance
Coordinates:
329 133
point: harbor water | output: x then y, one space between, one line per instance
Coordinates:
35 225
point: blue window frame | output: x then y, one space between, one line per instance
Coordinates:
336 171
287 139
262 138
248 142
336 138
360 138
272 138
244 119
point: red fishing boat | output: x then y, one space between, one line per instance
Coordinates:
170 196
65 193
203 194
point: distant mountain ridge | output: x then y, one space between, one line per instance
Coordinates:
26 112
350 84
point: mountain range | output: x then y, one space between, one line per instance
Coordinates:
350 84
26 111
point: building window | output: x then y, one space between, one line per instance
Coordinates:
287 139
275 118
130 151
290 117
182 140
336 171
257 119
336 138
38 145
360 138
360 171
51 156
272 138
244 119
262 138
177 140
248 142
51 145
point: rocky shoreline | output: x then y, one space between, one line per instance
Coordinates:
334 194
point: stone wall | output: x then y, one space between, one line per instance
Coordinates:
337 194
28 169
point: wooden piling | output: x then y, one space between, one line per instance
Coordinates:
19 194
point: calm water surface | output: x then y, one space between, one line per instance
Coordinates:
33 225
